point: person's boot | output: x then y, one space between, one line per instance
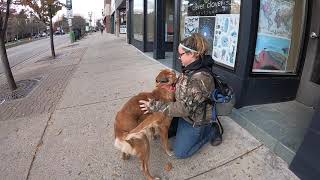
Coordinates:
217 139
173 127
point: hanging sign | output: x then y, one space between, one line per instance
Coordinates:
69 4
208 7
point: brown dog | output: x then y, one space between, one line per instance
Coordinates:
130 116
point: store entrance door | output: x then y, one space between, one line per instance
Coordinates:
309 88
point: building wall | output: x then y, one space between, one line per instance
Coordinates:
107 22
107 15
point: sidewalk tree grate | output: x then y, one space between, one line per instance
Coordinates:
24 88
48 58
71 45
73 53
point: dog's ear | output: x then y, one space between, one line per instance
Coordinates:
162 78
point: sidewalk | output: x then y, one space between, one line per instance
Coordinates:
73 139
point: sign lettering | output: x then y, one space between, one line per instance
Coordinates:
208 7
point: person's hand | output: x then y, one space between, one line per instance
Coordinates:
145 106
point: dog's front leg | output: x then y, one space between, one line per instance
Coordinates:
164 140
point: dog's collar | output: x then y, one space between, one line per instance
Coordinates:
168 87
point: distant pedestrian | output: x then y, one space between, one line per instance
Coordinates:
101 30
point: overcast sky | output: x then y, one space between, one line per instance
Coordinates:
82 7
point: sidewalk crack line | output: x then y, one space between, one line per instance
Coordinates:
254 149
38 146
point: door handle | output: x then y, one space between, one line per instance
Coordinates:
314 35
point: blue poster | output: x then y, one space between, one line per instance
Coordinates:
226 39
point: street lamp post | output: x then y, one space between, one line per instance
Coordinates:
70 16
90 20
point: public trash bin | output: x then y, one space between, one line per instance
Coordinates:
72 37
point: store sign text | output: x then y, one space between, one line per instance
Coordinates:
209 7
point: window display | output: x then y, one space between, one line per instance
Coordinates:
218 22
150 20
169 21
137 18
123 21
276 38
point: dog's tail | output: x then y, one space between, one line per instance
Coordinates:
144 126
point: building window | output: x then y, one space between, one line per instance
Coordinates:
218 22
137 18
123 21
169 21
279 37
150 20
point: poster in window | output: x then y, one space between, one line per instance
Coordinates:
274 36
191 25
200 24
226 39
206 28
276 18
208 7
271 53
123 29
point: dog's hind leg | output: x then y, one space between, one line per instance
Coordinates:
143 152
145 166
153 133
145 125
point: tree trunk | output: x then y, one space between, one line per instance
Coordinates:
3 52
51 33
7 69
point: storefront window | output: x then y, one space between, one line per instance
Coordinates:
123 21
150 20
218 22
137 18
169 21
279 36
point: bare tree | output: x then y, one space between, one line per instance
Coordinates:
79 22
45 10
22 24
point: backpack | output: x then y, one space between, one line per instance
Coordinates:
222 97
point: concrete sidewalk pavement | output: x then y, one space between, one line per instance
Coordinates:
76 139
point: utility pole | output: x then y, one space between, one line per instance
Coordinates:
90 20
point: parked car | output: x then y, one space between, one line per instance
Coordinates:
43 34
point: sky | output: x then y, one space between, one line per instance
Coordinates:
82 7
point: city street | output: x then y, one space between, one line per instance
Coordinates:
27 51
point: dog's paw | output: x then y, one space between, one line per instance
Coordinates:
156 178
170 153
125 156
154 137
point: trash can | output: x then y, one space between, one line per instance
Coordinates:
72 36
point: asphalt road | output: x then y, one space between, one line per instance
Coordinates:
27 51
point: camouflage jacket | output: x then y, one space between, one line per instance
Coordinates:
192 91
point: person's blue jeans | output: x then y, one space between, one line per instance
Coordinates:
190 139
